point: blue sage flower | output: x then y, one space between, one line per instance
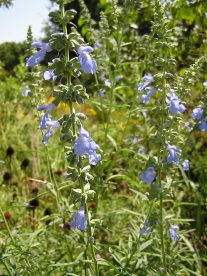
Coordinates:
39 55
47 107
197 113
148 78
187 124
88 64
172 155
84 145
44 120
174 236
79 220
203 125
148 176
146 229
49 75
145 98
174 102
26 91
47 135
185 165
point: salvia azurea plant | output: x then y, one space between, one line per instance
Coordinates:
118 210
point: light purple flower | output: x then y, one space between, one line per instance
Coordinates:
148 78
174 102
148 176
49 75
145 98
44 120
39 55
146 229
135 140
185 165
174 236
107 83
26 91
47 107
79 220
203 125
47 135
97 44
187 124
197 113
142 150
84 145
87 63
172 155
101 93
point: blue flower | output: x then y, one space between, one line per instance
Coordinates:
203 125
38 56
84 145
87 63
44 120
187 124
142 150
47 135
148 176
174 102
47 107
26 91
172 155
79 220
185 165
50 75
148 79
146 229
145 98
197 113
174 236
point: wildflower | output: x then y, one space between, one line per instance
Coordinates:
146 229
187 124
203 125
101 93
205 84
79 220
107 83
47 135
84 145
97 44
174 236
148 79
48 107
26 91
172 154
142 150
148 176
174 102
44 119
87 63
144 113
185 165
39 55
145 98
135 140
49 75
197 113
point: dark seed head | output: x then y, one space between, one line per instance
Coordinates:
7 215
7 176
25 164
47 212
33 203
9 151
35 191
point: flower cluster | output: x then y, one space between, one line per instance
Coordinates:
45 121
144 86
